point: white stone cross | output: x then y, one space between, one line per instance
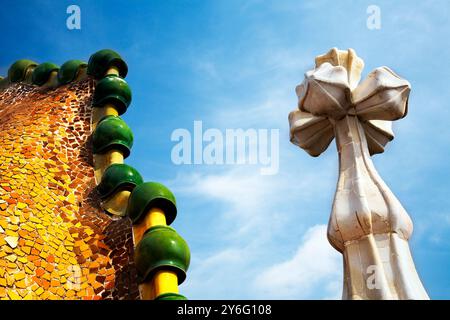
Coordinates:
368 225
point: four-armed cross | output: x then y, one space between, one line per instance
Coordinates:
368 225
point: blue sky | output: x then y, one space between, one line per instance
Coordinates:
235 64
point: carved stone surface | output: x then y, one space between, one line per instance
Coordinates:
368 225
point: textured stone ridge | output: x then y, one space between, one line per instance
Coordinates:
56 242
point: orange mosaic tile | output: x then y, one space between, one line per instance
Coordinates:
56 242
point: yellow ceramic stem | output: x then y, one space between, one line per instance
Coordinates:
103 161
113 70
98 113
155 217
82 73
115 156
108 109
52 81
163 281
28 75
117 203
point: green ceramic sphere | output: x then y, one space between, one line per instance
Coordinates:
118 177
112 89
151 195
42 72
70 70
162 248
170 296
112 133
104 59
18 70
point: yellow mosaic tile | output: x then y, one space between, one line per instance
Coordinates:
56 242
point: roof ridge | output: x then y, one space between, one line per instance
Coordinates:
50 75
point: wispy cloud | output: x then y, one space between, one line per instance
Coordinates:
314 265
313 272
246 198
251 214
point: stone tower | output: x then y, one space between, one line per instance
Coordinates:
368 225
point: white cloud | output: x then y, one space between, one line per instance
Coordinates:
247 199
254 212
223 275
314 272
315 265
